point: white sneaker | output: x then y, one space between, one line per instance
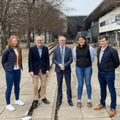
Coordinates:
10 107
19 102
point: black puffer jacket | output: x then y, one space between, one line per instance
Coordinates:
8 59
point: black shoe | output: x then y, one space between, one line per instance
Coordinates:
34 104
59 103
45 101
70 102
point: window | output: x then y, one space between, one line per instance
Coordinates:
102 23
110 21
117 18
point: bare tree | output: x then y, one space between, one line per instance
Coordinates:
4 9
22 17
34 14
25 13
46 14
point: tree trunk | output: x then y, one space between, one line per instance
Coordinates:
45 36
30 7
53 38
3 38
9 32
39 32
49 36
28 37
24 36
33 35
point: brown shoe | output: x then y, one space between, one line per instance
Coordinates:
112 112
89 104
79 104
100 106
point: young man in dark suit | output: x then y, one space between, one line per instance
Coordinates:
39 67
62 58
107 62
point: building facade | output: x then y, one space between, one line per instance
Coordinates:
105 20
109 25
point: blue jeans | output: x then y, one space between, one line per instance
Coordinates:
104 80
81 74
12 77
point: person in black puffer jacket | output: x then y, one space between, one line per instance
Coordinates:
12 64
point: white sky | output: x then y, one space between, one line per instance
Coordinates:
82 7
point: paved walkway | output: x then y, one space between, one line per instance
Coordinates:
46 112
73 113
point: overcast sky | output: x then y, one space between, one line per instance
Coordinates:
82 7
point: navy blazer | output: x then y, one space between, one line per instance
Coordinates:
68 59
36 63
8 59
109 61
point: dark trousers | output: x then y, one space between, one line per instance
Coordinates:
12 77
104 80
68 84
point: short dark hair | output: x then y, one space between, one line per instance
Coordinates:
103 36
81 36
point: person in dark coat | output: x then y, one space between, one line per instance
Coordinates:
38 62
12 64
107 62
62 58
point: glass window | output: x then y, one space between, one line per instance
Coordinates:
110 21
117 17
111 36
119 35
102 23
113 19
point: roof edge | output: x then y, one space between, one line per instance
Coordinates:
94 10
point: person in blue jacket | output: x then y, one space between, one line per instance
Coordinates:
12 64
62 58
84 56
107 62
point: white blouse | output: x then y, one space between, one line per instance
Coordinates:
16 67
